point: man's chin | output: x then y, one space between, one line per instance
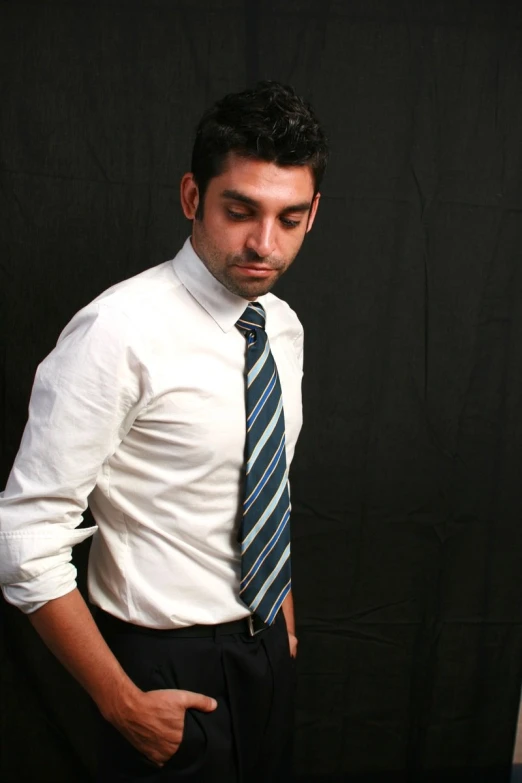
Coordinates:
254 291
251 289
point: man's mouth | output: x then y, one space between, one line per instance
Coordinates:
255 270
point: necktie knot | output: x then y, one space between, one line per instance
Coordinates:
253 318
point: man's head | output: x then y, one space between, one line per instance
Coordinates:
257 164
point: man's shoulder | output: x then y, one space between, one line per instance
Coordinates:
151 288
129 308
279 311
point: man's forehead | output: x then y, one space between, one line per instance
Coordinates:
251 179
237 195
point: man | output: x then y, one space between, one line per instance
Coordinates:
143 411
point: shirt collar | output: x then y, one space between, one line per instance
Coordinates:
222 305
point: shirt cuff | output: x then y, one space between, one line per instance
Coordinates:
30 596
35 568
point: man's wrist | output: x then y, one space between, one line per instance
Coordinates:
119 700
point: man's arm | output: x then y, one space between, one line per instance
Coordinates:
288 611
151 721
85 397
86 394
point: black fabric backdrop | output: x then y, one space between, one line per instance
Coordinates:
406 484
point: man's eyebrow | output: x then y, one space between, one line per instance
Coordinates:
236 195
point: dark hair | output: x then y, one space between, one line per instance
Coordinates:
269 122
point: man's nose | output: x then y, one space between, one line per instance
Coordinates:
261 239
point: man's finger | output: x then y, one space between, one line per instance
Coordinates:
198 701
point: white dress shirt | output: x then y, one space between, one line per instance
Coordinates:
140 412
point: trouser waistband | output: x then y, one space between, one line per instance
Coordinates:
249 626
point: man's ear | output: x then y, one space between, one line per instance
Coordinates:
313 211
189 195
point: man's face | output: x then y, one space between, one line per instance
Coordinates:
255 218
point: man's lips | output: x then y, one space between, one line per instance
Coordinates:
255 270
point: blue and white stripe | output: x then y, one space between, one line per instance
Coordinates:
265 532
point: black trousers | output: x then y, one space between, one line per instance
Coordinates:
247 739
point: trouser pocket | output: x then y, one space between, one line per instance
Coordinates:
150 662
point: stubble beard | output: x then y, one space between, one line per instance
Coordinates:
247 289
222 268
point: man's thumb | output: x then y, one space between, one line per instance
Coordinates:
199 701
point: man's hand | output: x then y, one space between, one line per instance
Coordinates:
292 641
288 611
154 721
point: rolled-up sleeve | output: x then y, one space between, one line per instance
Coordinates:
85 397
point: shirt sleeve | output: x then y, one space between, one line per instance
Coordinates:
86 395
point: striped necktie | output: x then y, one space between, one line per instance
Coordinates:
265 531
